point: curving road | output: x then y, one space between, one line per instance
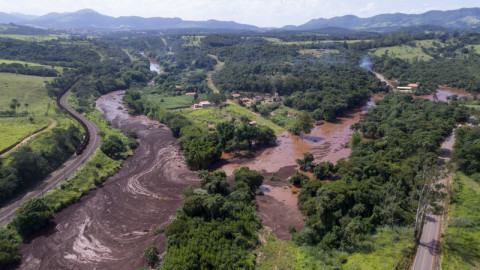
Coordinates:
67 170
428 249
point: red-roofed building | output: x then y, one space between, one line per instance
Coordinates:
236 96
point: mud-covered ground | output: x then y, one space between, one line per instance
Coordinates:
110 227
277 208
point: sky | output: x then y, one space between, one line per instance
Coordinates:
263 13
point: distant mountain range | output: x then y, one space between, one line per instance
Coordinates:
454 19
87 19
91 20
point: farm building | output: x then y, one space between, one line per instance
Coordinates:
406 89
205 104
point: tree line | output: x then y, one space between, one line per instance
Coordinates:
394 156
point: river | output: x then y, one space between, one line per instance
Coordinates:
110 227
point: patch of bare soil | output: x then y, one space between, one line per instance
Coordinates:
110 227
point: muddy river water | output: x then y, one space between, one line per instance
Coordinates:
110 227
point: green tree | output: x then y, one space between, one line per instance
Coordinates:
113 146
252 178
151 254
303 123
31 216
216 98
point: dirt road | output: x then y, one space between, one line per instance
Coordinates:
25 140
110 227
67 170
428 248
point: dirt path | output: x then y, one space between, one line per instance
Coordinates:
110 227
52 125
67 170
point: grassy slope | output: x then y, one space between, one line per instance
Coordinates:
388 250
26 89
33 37
59 69
403 52
461 248
216 115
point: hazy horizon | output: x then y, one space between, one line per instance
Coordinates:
268 13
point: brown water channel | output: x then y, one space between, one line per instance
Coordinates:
110 227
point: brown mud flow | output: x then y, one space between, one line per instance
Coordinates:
278 207
110 227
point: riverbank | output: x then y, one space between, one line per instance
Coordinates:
111 226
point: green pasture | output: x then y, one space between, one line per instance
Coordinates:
309 42
34 37
26 89
216 115
5 61
404 52
461 244
176 102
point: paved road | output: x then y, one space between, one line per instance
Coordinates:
428 248
67 170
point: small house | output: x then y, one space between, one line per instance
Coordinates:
292 114
205 104
405 89
236 96
252 123
258 98
190 94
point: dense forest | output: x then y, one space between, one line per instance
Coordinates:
467 151
216 226
379 184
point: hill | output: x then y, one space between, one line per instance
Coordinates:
91 20
465 18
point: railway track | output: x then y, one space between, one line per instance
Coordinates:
83 154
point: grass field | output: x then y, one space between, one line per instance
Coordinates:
59 69
33 37
461 244
193 40
278 254
388 250
26 89
177 102
308 42
403 52
216 115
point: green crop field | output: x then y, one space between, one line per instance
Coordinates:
461 244
33 37
177 102
308 42
215 115
26 89
404 52
5 61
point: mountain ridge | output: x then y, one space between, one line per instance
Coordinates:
89 19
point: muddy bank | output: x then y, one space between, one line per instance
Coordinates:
277 208
110 227
443 94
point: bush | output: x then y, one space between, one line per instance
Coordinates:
151 254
